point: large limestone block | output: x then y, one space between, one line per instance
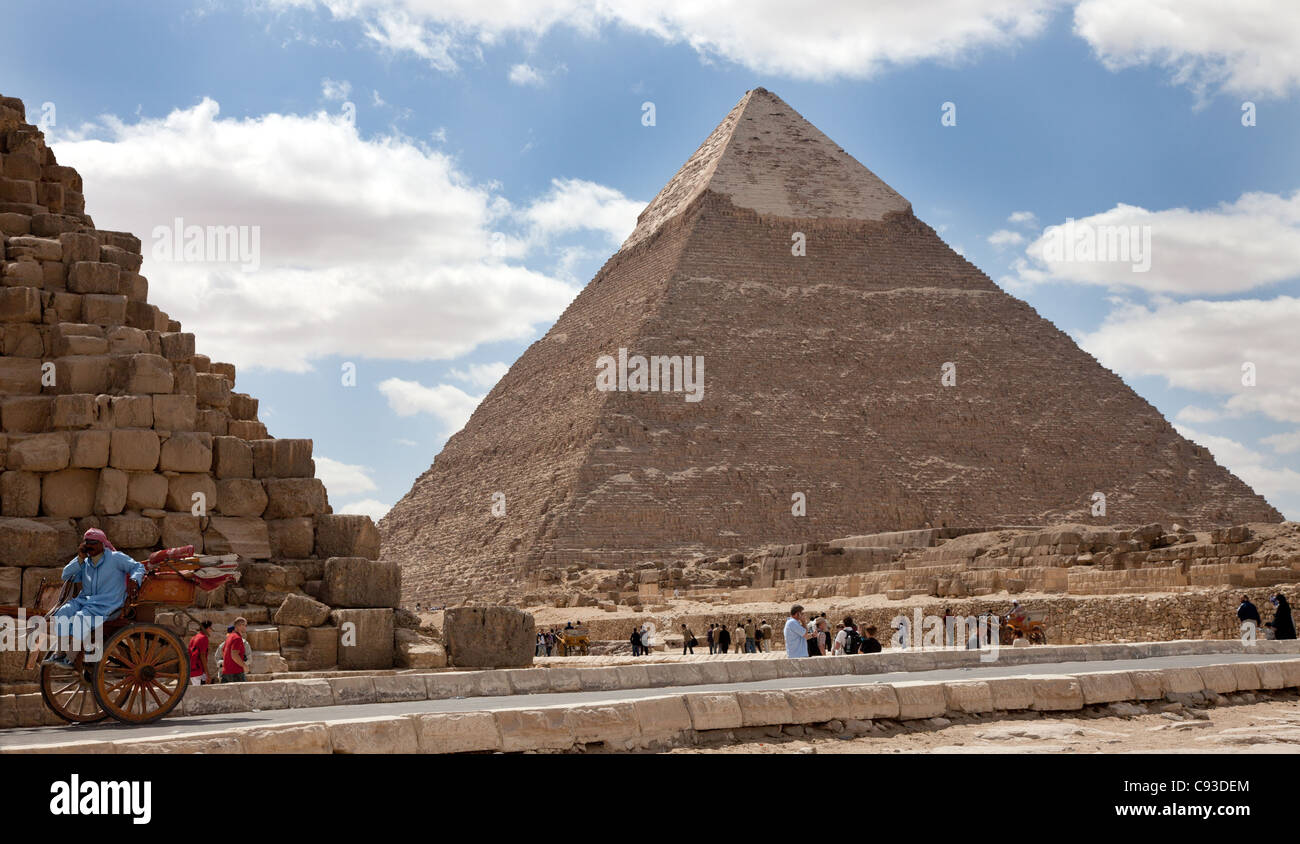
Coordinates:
301 611
920 700
1148 685
243 536
89 449
358 582
346 535
1055 692
93 277
874 700
26 414
20 494
180 529
190 491
366 638
213 390
488 637
291 538
288 498
761 709
284 738
308 694
11 585
245 497
1270 675
82 374
415 651
132 531
125 340
1011 693
76 410
69 536
146 491
185 451
1182 681
175 413
149 373
290 458
128 412
20 304
1246 677
39 453
663 718
110 495
1218 678
69 493
388 735
1107 687
810 706
533 729
396 688
970 696
714 711
232 458
614 723
456 732
134 450
322 649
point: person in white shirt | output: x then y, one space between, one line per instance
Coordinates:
796 635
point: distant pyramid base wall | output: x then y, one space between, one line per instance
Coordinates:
108 416
874 380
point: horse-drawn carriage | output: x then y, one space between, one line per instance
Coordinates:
143 668
1031 625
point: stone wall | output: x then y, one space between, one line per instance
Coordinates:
110 417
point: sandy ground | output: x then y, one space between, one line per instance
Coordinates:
1270 725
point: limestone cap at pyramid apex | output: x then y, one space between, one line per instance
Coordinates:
767 157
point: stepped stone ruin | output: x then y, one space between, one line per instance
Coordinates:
823 377
111 419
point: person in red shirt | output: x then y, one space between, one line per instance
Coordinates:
233 653
199 672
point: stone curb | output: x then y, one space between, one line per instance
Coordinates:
662 721
364 688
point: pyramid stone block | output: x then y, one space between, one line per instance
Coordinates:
821 376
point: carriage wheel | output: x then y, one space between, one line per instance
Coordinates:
1037 636
143 674
70 694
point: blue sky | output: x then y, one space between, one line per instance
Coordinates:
497 157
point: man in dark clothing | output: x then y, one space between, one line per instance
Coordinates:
635 639
1246 611
724 639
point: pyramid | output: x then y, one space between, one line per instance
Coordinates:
109 417
822 378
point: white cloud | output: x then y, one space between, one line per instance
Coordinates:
1200 345
366 507
484 375
1288 443
1237 246
332 90
369 247
574 204
404 441
1280 485
523 74
1006 237
838 38
1247 47
1023 218
450 405
1195 415
343 478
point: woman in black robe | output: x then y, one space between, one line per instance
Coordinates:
1282 621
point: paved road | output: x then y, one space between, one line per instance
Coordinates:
200 723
